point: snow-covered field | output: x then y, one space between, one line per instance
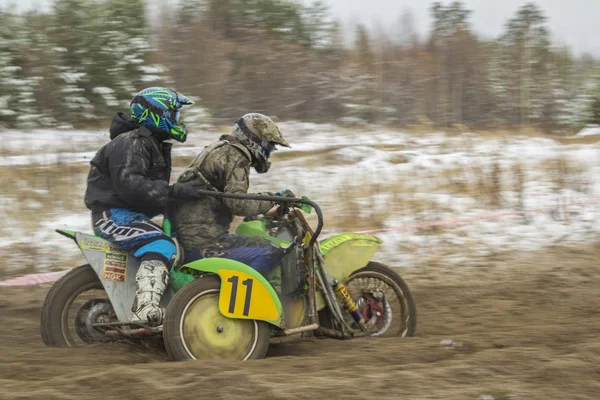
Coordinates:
363 180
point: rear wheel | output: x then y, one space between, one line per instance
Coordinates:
384 300
195 329
73 304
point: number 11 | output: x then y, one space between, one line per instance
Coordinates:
234 283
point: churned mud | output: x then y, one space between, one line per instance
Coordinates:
522 326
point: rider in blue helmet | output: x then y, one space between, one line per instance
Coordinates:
128 184
159 109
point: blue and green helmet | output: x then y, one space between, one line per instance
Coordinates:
159 108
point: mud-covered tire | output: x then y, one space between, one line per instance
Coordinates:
175 326
52 322
326 319
411 309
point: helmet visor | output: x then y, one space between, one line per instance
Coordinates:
268 148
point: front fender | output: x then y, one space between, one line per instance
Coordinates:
244 293
347 252
343 254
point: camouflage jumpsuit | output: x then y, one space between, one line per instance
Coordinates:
202 225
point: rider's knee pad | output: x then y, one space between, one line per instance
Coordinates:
163 248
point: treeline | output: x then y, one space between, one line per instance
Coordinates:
82 61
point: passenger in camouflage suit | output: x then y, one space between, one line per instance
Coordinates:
202 225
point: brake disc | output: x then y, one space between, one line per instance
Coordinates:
93 312
376 312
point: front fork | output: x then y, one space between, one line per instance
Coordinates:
333 288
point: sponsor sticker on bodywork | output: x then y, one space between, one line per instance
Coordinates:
92 245
99 245
115 266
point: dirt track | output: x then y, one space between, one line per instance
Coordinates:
524 327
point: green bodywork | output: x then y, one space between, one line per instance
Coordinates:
343 254
68 233
213 265
358 240
258 228
179 279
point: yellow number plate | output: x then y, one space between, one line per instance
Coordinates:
244 297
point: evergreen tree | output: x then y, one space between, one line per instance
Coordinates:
452 44
527 55
318 25
595 117
9 82
37 61
364 57
86 58
120 50
73 34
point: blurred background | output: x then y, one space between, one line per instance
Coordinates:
401 63
464 134
399 113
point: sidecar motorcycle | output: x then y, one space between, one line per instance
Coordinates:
222 309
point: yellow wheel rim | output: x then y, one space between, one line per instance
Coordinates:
207 334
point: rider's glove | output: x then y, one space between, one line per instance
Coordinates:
285 193
187 190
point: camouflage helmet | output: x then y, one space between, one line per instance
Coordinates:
260 135
263 127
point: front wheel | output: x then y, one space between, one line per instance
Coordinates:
384 300
195 329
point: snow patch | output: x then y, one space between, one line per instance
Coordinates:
384 172
592 130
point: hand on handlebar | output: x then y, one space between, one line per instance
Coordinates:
279 211
274 212
187 190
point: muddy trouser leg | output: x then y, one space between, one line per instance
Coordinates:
136 232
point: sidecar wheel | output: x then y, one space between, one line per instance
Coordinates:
383 298
78 293
195 329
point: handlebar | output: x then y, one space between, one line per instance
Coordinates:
275 199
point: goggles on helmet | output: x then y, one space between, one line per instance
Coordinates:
267 147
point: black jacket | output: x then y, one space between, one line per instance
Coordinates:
132 171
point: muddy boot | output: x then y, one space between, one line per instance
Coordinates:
151 282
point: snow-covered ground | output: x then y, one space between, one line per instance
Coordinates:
362 179
591 130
